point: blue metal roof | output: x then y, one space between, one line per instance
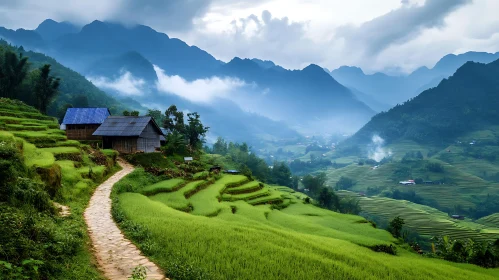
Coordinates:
86 115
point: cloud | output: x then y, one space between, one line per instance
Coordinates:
126 84
398 26
201 90
166 15
263 36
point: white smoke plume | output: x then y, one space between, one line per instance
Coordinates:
377 151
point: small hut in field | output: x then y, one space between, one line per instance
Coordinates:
129 134
81 123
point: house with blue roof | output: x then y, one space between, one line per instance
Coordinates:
81 123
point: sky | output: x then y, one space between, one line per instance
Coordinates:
393 36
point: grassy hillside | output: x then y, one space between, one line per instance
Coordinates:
47 168
227 227
426 221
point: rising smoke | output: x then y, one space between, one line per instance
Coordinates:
377 151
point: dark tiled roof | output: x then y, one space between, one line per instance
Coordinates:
125 126
85 115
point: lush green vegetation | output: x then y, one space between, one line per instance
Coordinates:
241 157
37 243
216 238
32 81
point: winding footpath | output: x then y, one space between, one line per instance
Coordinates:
116 255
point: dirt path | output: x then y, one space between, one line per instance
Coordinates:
116 255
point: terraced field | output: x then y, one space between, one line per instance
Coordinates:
491 220
232 228
44 145
427 221
70 174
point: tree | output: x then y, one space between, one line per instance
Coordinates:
281 175
156 115
220 147
13 70
195 130
328 199
175 143
174 120
46 88
395 226
126 113
314 183
344 183
295 182
134 113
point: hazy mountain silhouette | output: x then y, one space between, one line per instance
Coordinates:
114 67
392 90
465 102
50 30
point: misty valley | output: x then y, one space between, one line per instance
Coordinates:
126 153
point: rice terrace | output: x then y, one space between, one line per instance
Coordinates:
207 140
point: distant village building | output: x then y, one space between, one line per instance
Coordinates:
408 182
458 217
81 123
232 172
188 159
130 134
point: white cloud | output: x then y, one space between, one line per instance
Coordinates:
372 34
201 90
126 84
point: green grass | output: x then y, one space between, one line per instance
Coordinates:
288 244
206 202
248 187
426 221
164 186
61 150
491 220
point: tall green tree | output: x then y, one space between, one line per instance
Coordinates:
281 174
195 130
315 183
174 120
156 115
220 147
46 88
13 70
395 226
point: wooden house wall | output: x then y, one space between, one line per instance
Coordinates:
124 145
82 132
149 139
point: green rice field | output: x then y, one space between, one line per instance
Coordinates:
248 238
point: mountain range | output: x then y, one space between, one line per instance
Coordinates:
307 99
311 100
465 102
382 91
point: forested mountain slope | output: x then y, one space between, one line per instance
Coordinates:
465 102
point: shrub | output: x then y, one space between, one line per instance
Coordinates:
345 183
435 167
384 248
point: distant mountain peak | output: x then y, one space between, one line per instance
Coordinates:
350 69
266 64
314 68
50 29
